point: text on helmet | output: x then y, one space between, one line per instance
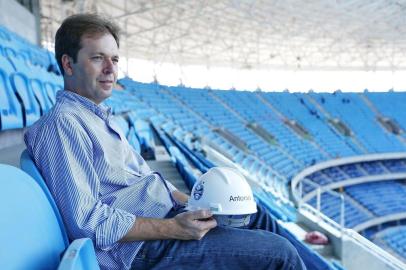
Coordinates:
240 198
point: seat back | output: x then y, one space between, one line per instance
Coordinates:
40 93
30 235
50 91
28 165
21 86
10 108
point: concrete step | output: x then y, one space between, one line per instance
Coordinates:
169 172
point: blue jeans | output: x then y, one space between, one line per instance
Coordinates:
255 247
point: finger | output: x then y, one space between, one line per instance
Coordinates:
197 214
206 224
202 214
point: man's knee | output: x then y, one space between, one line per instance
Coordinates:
281 250
276 251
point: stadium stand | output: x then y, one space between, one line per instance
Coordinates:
361 120
380 198
393 238
270 137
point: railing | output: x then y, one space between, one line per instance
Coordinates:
317 211
319 190
387 258
384 256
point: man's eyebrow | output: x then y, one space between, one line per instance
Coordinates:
103 54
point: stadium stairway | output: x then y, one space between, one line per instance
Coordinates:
169 172
243 120
367 99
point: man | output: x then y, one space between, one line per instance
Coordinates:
105 191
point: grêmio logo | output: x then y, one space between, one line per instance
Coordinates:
240 198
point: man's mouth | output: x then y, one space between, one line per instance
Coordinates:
106 84
106 81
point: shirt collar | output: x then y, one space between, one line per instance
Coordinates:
101 110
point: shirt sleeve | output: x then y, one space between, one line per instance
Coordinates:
63 152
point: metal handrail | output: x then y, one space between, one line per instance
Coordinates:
377 251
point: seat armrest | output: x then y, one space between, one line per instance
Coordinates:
79 255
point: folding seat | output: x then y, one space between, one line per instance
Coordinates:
72 261
144 132
28 165
24 55
56 80
30 234
9 52
40 93
20 81
4 35
133 140
11 115
50 91
120 122
21 86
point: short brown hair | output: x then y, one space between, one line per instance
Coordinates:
73 28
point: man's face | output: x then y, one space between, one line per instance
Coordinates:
95 72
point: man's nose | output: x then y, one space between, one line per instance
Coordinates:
108 66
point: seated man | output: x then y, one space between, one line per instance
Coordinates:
105 191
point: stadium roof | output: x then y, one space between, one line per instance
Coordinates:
253 34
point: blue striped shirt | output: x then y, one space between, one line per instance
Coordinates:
100 184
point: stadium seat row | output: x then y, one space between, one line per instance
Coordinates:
26 92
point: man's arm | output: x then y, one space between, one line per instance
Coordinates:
191 225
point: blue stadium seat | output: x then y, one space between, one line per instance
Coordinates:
30 234
50 90
9 52
40 93
144 132
133 140
122 124
10 108
21 86
4 35
28 165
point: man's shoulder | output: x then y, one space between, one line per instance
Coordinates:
60 114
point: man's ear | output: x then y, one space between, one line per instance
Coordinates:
67 62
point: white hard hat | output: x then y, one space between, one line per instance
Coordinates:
225 192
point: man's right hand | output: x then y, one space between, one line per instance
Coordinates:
193 225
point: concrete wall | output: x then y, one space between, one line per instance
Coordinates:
353 253
18 19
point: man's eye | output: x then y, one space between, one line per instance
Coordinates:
97 58
115 60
